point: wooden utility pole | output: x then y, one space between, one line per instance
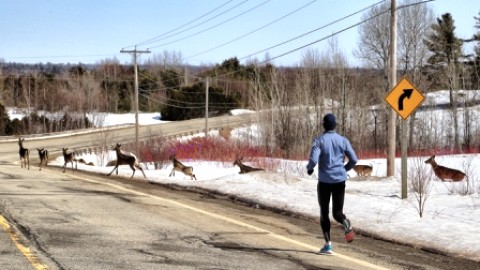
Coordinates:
393 83
134 53
206 107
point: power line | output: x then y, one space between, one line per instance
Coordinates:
189 105
324 38
172 89
343 30
318 40
314 42
338 32
154 39
274 46
314 30
163 37
309 44
214 26
302 35
251 32
335 33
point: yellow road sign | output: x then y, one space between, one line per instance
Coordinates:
404 98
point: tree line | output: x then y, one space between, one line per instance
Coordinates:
295 97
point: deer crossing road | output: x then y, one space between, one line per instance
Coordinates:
55 220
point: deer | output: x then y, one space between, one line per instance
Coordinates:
43 155
444 173
82 161
244 168
178 166
126 159
24 154
68 158
363 170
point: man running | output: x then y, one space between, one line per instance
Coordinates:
329 150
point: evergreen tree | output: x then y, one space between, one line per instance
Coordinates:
171 78
446 50
189 103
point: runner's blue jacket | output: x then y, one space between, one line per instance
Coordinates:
329 150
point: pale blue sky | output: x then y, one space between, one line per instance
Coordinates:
88 31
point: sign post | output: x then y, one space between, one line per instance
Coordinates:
404 98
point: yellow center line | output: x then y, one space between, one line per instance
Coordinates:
236 222
34 261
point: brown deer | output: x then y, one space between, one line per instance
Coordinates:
82 161
178 166
43 155
244 168
444 173
24 154
126 159
68 158
363 170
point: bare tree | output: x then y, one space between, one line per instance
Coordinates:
269 123
374 43
308 83
414 25
109 70
467 187
419 178
168 60
282 103
335 62
102 144
315 86
26 83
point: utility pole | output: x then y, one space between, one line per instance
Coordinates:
206 107
393 83
134 53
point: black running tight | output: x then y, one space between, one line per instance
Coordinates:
337 193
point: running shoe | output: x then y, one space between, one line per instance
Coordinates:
349 232
327 249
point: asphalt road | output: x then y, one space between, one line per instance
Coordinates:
73 221
55 220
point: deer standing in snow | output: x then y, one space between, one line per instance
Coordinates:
178 166
24 154
68 158
363 170
43 155
444 173
244 168
126 159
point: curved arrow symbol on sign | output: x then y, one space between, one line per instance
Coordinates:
407 93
